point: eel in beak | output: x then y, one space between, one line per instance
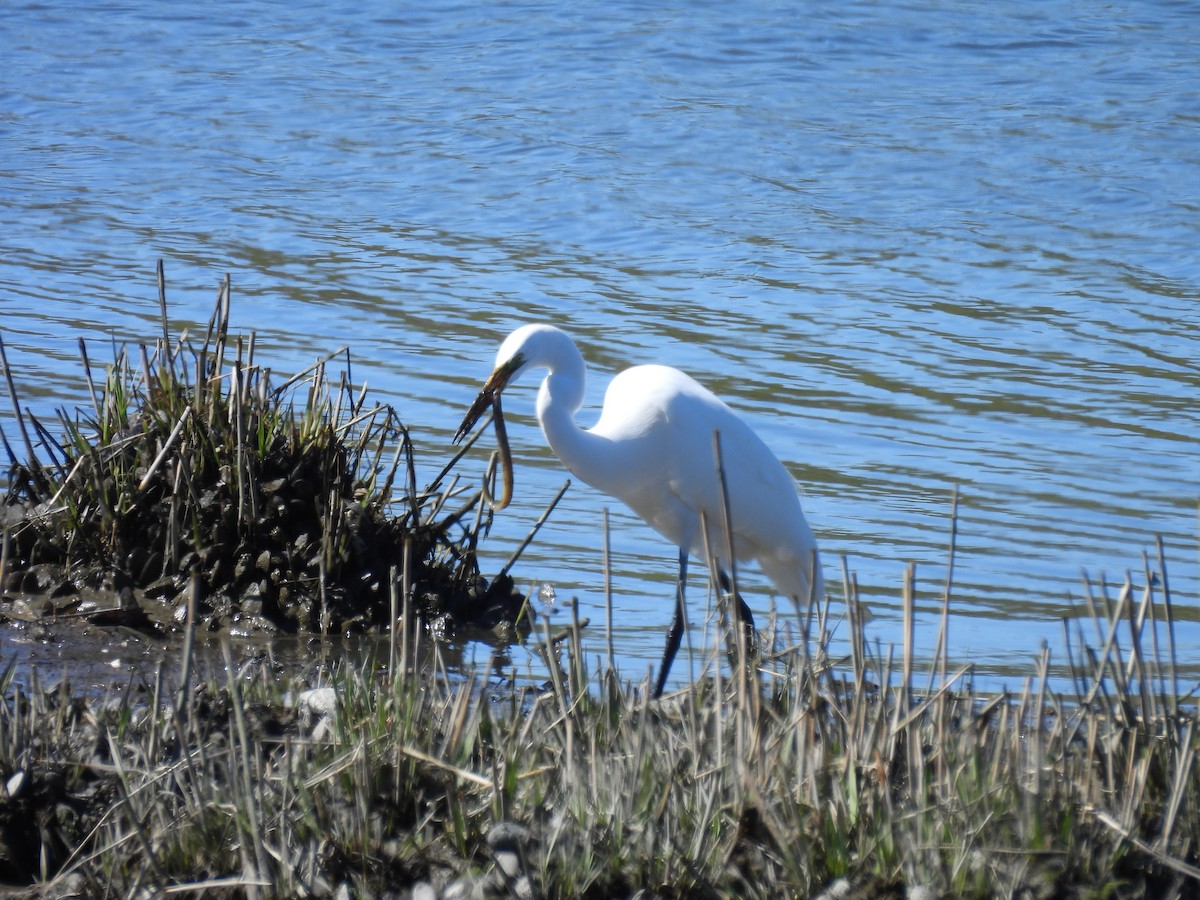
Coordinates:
490 396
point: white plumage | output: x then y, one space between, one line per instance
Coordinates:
652 448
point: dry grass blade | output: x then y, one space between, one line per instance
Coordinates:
537 526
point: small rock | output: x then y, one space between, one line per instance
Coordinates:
46 578
273 486
505 633
29 610
316 709
318 701
423 890
17 783
509 862
241 568
506 840
923 892
72 886
469 887
836 891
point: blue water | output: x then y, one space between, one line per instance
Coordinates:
918 245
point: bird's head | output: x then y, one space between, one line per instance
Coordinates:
509 362
516 355
528 347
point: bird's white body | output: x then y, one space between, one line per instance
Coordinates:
653 449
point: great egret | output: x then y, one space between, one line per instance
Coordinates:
653 449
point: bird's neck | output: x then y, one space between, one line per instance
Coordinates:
559 398
587 455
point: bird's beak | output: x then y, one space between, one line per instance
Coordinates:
482 402
496 383
490 396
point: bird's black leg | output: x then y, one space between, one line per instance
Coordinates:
742 612
675 633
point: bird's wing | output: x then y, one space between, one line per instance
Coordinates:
767 521
665 421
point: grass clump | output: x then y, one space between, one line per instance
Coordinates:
293 501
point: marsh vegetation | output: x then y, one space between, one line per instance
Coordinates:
820 775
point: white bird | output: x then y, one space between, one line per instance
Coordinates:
653 449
